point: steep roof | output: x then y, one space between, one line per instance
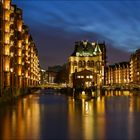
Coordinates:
97 49
85 48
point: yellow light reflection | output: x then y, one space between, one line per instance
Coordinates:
90 121
25 119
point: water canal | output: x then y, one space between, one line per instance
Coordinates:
56 116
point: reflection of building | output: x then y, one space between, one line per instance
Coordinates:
87 108
118 74
135 67
87 64
19 63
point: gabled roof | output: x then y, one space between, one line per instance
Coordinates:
85 48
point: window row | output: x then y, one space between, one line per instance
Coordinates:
84 63
88 76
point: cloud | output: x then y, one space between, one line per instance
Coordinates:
56 45
55 26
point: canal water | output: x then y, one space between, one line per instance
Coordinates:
56 116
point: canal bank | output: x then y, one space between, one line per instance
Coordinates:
10 96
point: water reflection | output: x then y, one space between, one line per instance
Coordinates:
20 119
115 115
118 93
91 120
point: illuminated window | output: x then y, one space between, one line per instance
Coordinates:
7 51
87 76
7 27
91 76
6 66
7 4
19 44
6 38
19 60
7 15
19 24
11 54
11 69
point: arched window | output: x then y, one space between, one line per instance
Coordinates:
80 63
84 64
92 63
75 63
88 63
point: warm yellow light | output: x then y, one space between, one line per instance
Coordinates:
83 92
6 66
11 69
7 4
91 76
19 60
19 72
7 51
6 38
19 44
7 15
7 27
11 43
26 47
11 54
19 52
19 24
26 75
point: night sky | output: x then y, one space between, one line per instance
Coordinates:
55 25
